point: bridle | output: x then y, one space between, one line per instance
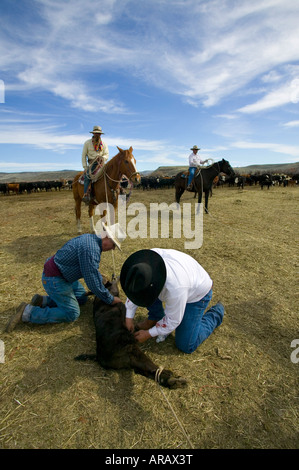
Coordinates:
119 173
114 190
119 181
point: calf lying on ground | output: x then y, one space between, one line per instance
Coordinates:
117 347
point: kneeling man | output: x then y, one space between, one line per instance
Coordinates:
150 277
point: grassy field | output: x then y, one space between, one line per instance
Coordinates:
242 385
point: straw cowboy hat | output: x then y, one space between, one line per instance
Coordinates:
96 130
115 232
143 276
195 147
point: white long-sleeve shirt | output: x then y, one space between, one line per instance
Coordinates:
186 282
91 154
195 159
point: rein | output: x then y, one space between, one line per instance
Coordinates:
105 175
210 166
201 178
119 173
119 181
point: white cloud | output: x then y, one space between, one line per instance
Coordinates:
238 49
286 150
292 124
95 62
42 166
221 48
284 94
227 116
51 138
271 77
275 98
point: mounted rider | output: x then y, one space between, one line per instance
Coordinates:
95 153
194 162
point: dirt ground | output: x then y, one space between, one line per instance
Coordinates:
242 382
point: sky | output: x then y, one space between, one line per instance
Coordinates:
157 75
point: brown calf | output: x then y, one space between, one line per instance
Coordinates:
117 347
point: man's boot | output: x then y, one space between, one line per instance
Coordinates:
86 197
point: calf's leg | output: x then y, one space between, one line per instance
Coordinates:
143 365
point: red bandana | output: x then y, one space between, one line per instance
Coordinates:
98 146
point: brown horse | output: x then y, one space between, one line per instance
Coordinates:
106 188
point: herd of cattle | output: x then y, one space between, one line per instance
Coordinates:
158 182
265 179
26 187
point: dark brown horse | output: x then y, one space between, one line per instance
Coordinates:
203 180
106 188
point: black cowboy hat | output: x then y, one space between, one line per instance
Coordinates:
143 276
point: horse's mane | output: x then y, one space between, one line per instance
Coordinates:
112 161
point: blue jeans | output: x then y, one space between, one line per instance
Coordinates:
196 326
191 174
87 180
63 301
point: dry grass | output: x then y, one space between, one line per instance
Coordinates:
243 387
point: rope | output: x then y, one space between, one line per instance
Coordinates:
157 380
108 216
210 164
201 179
96 174
104 174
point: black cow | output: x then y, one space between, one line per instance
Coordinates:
56 184
240 181
117 347
28 187
266 180
3 188
230 180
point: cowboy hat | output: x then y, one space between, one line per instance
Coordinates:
115 232
195 147
143 276
96 130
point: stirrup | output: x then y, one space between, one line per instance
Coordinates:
86 198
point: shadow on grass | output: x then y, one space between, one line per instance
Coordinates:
36 249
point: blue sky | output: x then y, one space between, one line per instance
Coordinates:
157 75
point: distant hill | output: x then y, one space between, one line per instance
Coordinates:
29 177
287 168
168 170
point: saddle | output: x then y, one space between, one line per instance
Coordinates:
185 176
94 176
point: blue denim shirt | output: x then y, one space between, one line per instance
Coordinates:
80 258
